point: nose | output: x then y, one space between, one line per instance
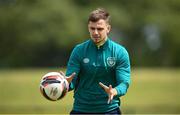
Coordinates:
95 31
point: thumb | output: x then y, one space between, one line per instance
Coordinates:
69 78
110 87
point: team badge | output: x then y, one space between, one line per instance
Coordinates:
111 61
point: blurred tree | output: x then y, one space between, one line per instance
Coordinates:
42 33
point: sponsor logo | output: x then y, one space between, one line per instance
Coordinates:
86 60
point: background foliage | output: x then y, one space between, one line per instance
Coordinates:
40 33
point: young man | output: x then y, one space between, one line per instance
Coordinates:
102 69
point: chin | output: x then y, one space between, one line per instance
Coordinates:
96 41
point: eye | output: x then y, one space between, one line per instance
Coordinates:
100 29
92 28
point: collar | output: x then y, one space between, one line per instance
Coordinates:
103 46
101 43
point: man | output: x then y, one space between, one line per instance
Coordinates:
99 69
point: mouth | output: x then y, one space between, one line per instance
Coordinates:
96 37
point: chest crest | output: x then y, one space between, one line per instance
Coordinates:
111 61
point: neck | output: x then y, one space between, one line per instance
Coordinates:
101 42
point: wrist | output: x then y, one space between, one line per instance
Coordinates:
114 91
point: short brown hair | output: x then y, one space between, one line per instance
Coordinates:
99 13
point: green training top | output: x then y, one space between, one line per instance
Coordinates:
108 64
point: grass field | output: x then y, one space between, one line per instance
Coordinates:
152 91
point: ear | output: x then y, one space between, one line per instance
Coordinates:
88 28
108 28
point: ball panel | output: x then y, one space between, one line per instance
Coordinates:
65 88
53 91
46 96
46 82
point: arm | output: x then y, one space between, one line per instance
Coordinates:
73 66
122 77
123 74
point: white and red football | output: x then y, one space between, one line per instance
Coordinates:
53 86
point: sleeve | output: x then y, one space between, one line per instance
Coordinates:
73 66
122 73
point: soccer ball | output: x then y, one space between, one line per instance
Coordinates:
53 86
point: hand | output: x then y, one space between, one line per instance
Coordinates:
68 78
109 90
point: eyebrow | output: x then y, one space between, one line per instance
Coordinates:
98 28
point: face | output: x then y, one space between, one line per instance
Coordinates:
98 30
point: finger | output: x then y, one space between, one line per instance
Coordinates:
103 86
62 73
72 75
110 99
110 94
69 78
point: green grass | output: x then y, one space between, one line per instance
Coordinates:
151 91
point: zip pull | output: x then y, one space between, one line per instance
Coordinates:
104 60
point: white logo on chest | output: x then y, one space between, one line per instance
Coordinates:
86 60
111 61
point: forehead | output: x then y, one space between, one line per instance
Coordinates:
99 23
